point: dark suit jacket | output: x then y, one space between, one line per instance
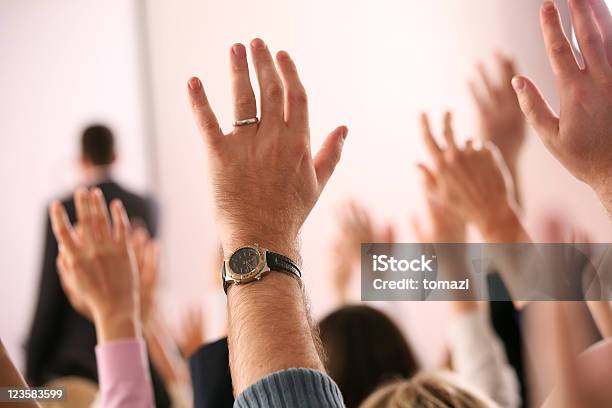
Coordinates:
61 341
210 376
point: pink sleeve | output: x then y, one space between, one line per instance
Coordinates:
123 374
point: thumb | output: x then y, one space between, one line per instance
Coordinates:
536 109
329 155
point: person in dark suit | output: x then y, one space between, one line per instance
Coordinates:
211 377
61 341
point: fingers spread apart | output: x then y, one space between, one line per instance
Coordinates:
203 114
558 47
245 106
62 229
121 223
588 36
296 100
100 217
329 154
536 109
270 84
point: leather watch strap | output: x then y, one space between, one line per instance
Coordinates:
280 263
275 262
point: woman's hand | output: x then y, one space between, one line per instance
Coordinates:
96 264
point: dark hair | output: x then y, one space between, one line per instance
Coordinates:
364 349
98 145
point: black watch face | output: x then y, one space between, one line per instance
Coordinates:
244 261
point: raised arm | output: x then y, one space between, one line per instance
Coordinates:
265 183
355 227
581 136
11 377
475 182
99 275
500 118
477 353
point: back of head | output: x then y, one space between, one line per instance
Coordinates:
427 391
98 145
79 392
364 349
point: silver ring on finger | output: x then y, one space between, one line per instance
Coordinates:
246 122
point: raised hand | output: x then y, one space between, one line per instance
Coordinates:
445 224
473 184
582 380
581 136
356 227
265 183
191 335
500 117
146 252
96 264
264 179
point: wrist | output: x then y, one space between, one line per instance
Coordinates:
117 325
288 247
273 282
501 226
604 193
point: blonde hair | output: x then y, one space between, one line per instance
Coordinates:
436 390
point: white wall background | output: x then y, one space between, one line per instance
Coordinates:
64 64
370 65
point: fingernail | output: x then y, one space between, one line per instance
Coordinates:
518 84
258 44
238 50
194 83
283 56
344 133
548 6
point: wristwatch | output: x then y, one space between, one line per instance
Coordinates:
251 263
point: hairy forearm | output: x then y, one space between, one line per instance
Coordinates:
269 329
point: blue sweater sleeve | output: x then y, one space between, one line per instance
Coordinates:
295 388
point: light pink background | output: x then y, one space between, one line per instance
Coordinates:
369 65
